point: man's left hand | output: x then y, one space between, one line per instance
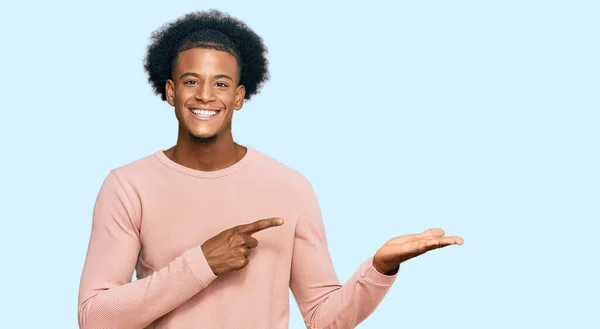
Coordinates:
400 249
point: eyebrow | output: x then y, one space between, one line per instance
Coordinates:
196 75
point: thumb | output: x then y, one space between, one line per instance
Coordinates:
433 232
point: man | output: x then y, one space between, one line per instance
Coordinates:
218 232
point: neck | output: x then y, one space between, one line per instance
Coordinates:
211 156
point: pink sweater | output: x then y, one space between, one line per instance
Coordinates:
153 214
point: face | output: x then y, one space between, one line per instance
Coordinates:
204 91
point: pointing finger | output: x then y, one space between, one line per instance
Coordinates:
260 225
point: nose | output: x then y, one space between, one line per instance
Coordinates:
205 93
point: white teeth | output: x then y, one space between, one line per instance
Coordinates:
204 113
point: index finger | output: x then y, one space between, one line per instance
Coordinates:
260 225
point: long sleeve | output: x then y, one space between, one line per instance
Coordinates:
324 303
107 296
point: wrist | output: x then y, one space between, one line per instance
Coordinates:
385 269
393 271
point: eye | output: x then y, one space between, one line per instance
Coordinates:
221 84
190 82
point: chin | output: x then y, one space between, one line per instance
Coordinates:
203 138
202 134
202 130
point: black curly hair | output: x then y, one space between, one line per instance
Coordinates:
210 29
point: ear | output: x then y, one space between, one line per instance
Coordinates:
240 93
170 90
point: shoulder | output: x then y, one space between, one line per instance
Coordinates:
274 170
130 176
138 167
122 185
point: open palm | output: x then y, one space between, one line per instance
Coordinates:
403 248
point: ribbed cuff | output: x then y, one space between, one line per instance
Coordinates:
199 265
370 273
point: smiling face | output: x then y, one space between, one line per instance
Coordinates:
204 91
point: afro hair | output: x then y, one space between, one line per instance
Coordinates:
207 29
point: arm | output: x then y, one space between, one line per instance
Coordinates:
107 297
323 302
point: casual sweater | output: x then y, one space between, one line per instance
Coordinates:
152 216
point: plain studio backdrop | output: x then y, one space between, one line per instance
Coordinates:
479 117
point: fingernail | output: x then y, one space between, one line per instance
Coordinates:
279 221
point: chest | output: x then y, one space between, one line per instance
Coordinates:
186 216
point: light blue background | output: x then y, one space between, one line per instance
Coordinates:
480 117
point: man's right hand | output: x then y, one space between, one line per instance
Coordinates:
228 251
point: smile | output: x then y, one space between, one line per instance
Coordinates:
204 114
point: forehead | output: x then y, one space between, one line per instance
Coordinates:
207 61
